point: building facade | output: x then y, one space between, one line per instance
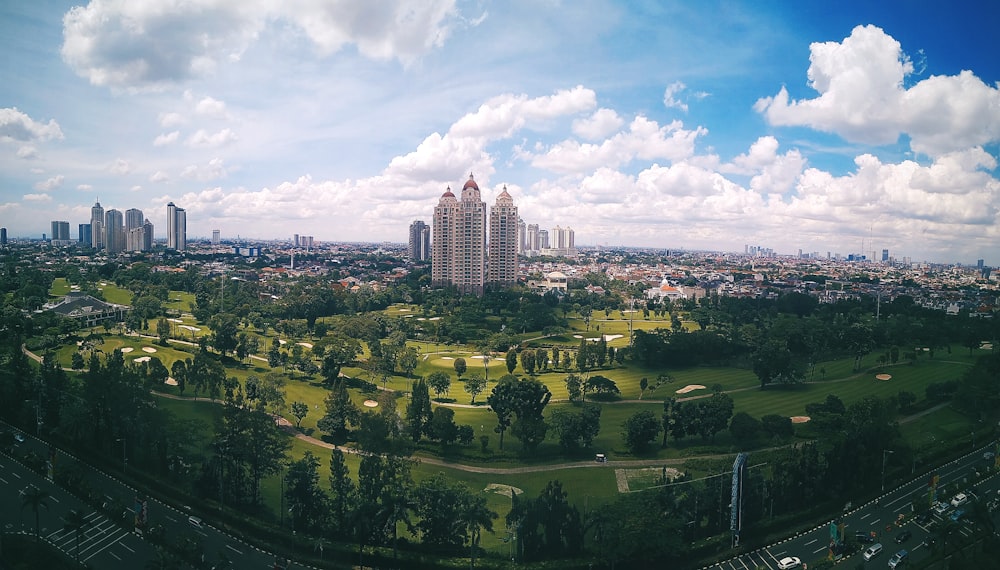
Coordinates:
97 226
176 227
502 260
420 241
114 231
83 234
60 232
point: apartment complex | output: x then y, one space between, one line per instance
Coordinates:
176 227
420 241
459 254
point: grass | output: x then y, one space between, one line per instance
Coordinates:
60 287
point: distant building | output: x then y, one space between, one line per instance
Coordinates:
420 241
216 237
522 236
60 233
114 231
87 310
83 234
176 227
885 255
543 239
97 226
3 236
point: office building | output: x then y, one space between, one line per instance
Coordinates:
97 226
420 241
885 255
502 260
3 236
531 239
522 236
176 227
543 239
60 233
133 219
216 237
83 234
114 231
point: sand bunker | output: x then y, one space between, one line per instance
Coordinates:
175 320
690 388
447 358
800 419
148 349
189 327
142 359
305 344
501 489
170 381
434 319
371 403
607 337
403 310
127 350
986 346
883 377
282 342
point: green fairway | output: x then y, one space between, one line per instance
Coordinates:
60 286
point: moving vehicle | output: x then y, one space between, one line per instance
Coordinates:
898 558
789 562
959 500
864 536
194 521
873 551
19 437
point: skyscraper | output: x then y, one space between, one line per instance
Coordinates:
114 231
522 236
443 250
502 262
531 240
83 234
420 241
97 226
176 227
60 232
216 237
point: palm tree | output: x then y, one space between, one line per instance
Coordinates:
76 522
34 497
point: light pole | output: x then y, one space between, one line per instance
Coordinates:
124 461
885 454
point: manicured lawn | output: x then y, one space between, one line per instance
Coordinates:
60 286
114 293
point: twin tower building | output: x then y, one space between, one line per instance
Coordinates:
461 255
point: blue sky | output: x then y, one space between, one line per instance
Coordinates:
821 126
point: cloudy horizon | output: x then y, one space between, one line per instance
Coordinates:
705 126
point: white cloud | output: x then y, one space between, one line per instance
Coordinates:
501 116
50 184
204 139
120 166
37 198
168 120
670 96
159 176
599 125
17 126
84 187
214 170
27 152
863 99
166 138
211 108
135 188
141 45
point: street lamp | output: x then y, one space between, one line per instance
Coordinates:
885 454
124 461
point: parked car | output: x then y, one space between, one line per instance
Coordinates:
898 558
864 536
19 437
941 507
903 536
959 500
873 551
194 521
789 562
957 515
923 518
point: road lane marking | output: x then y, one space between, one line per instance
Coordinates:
171 519
53 498
15 474
4 480
821 550
125 546
876 521
240 553
813 541
115 555
863 517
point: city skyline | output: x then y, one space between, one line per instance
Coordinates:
846 126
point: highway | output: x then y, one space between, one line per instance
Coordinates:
106 543
881 517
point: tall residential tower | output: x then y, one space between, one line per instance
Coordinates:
176 227
502 263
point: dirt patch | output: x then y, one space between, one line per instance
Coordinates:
800 419
690 388
371 403
170 381
883 377
501 489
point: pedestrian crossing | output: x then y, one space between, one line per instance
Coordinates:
96 536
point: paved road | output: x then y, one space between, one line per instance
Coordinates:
880 517
109 544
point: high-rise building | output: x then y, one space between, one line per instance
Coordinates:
83 234
114 231
885 255
133 219
522 236
531 240
420 241
60 232
502 261
147 236
458 252
980 263
543 239
3 236
216 237
176 227
97 226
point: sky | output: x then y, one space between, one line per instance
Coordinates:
843 127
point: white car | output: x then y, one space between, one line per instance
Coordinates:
873 551
789 562
959 500
941 507
19 438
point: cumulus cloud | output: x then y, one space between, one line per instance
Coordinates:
168 120
211 108
214 170
670 96
159 176
141 45
50 184
599 125
37 198
27 152
204 139
84 187
120 166
17 126
166 138
862 98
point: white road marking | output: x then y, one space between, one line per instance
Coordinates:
813 541
238 552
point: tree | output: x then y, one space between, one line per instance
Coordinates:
342 496
460 367
306 500
340 411
744 429
643 384
574 386
339 352
163 330
418 411
408 361
76 361
475 386
777 426
224 328
639 430
501 401
576 429
511 360
299 410
528 361
442 425
179 373
35 498
547 526
529 399
602 386
439 382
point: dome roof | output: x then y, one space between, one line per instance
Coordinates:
447 193
470 183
